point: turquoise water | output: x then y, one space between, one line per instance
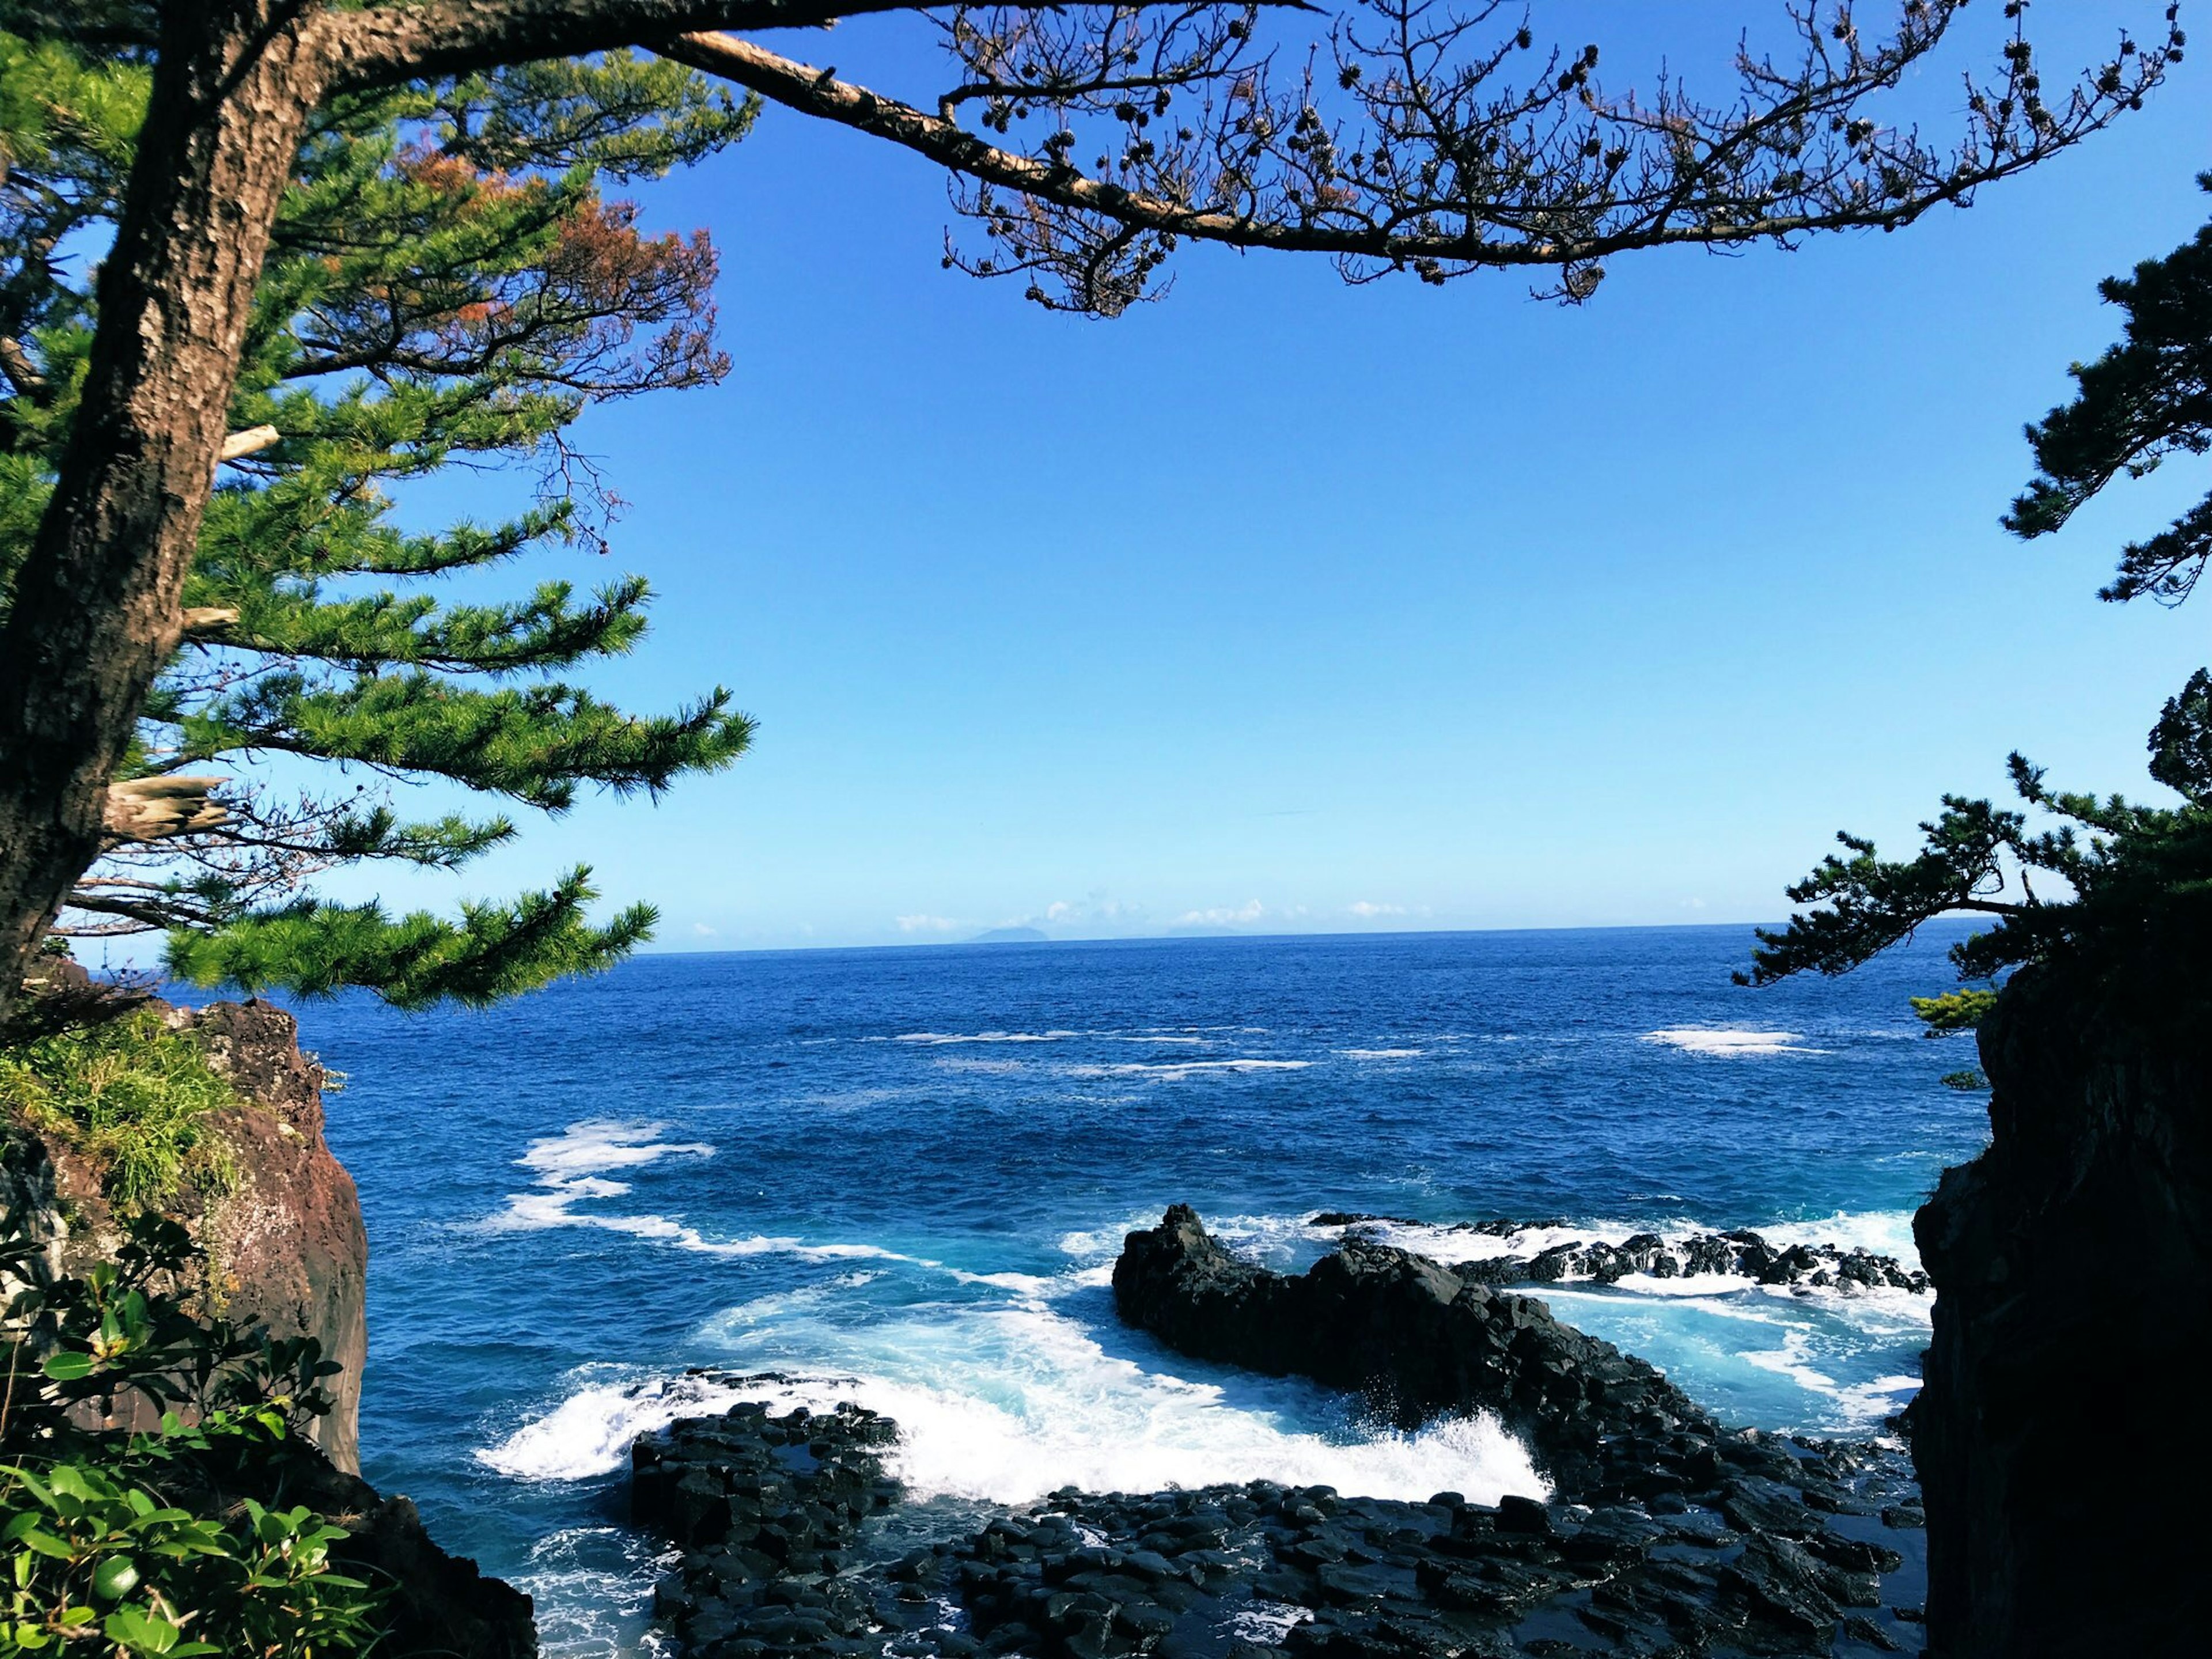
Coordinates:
901 1174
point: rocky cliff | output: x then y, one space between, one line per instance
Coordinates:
2059 1437
285 1249
283 1236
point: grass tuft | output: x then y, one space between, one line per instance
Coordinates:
130 1095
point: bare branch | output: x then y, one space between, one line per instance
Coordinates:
251 442
1440 158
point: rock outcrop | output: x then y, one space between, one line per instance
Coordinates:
435 1605
283 1236
1416 1339
2059 1435
765 1511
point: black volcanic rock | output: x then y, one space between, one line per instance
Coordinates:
1415 1337
1739 1253
1253 1571
764 1509
2058 1436
1665 1534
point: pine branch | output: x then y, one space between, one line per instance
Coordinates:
380 630
418 961
535 743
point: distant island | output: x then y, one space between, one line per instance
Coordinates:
1009 936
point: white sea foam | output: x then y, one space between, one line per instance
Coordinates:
571 1167
1380 1054
1729 1042
593 1590
589 1433
599 1145
1793 1360
938 1039
1884 1232
1266 1623
1867 1403
1007 1405
1173 1070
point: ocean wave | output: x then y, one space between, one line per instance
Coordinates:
1031 1403
1172 1070
1728 1041
598 1144
1380 1054
593 1587
589 1433
938 1039
1883 1233
570 1169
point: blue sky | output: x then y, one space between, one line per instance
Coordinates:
1289 606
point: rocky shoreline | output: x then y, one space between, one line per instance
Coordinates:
1737 1254
1665 1533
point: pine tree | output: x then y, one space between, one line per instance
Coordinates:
447 285
2126 888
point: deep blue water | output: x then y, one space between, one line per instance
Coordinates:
899 1174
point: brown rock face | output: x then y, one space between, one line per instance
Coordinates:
2059 1439
285 1244
287 1241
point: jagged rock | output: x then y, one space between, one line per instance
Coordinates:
1415 1337
1182 1574
286 1251
1742 1254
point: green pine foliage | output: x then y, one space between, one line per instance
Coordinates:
449 286
2148 398
1954 1011
2121 887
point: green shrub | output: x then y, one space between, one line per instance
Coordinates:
127 1546
129 1094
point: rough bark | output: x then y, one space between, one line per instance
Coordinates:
95 612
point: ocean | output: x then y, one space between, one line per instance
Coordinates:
902 1175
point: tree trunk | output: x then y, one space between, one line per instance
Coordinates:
96 609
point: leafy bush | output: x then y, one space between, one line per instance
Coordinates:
127 1544
130 1094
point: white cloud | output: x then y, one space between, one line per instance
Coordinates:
702 930
1366 909
925 924
1061 910
1221 916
